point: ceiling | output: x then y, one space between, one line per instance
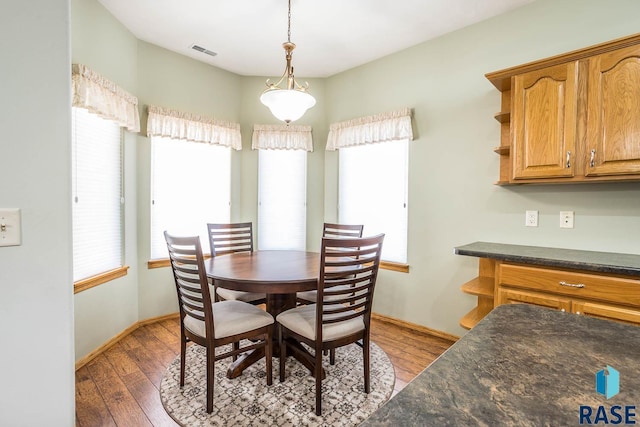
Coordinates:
331 35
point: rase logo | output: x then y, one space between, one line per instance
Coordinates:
608 382
608 385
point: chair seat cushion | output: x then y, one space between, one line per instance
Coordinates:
302 320
312 296
230 318
231 295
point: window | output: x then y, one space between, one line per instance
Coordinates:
282 194
373 176
372 190
190 187
97 194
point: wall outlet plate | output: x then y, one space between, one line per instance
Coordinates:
10 230
566 219
531 218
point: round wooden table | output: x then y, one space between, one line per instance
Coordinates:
279 275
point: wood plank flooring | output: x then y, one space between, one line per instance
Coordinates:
120 387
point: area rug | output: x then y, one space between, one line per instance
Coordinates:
248 401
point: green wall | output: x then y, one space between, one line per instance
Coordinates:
36 306
452 199
253 112
175 81
452 166
104 45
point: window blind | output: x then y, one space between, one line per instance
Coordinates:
282 193
372 190
191 186
97 194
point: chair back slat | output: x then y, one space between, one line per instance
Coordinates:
342 230
351 314
187 265
229 238
348 274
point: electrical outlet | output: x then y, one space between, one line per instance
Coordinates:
566 219
531 218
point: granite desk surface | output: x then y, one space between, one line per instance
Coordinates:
603 262
521 365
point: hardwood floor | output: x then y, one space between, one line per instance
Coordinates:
120 387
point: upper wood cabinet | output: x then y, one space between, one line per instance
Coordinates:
573 117
613 123
544 122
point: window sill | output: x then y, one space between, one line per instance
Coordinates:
158 263
164 262
394 266
90 282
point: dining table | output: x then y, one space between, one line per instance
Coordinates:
279 274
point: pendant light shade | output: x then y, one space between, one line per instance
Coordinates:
287 103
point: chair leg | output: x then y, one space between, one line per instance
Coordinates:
318 375
332 356
268 350
283 351
365 358
183 352
216 298
210 377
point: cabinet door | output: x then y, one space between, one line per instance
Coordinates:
607 311
516 296
613 124
543 118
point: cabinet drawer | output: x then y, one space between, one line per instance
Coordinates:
592 286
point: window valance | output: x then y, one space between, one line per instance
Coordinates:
282 137
192 127
390 126
100 96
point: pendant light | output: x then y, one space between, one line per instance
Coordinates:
287 103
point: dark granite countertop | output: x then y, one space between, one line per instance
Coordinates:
521 365
603 262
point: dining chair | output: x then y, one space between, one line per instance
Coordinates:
348 273
335 231
208 324
231 238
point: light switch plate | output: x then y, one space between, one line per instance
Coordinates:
10 229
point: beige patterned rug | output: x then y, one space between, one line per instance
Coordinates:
248 401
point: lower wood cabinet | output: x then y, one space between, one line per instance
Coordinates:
517 296
607 311
584 293
600 310
602 295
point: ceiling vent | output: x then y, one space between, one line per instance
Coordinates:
203 50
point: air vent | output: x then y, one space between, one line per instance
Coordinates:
203 50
